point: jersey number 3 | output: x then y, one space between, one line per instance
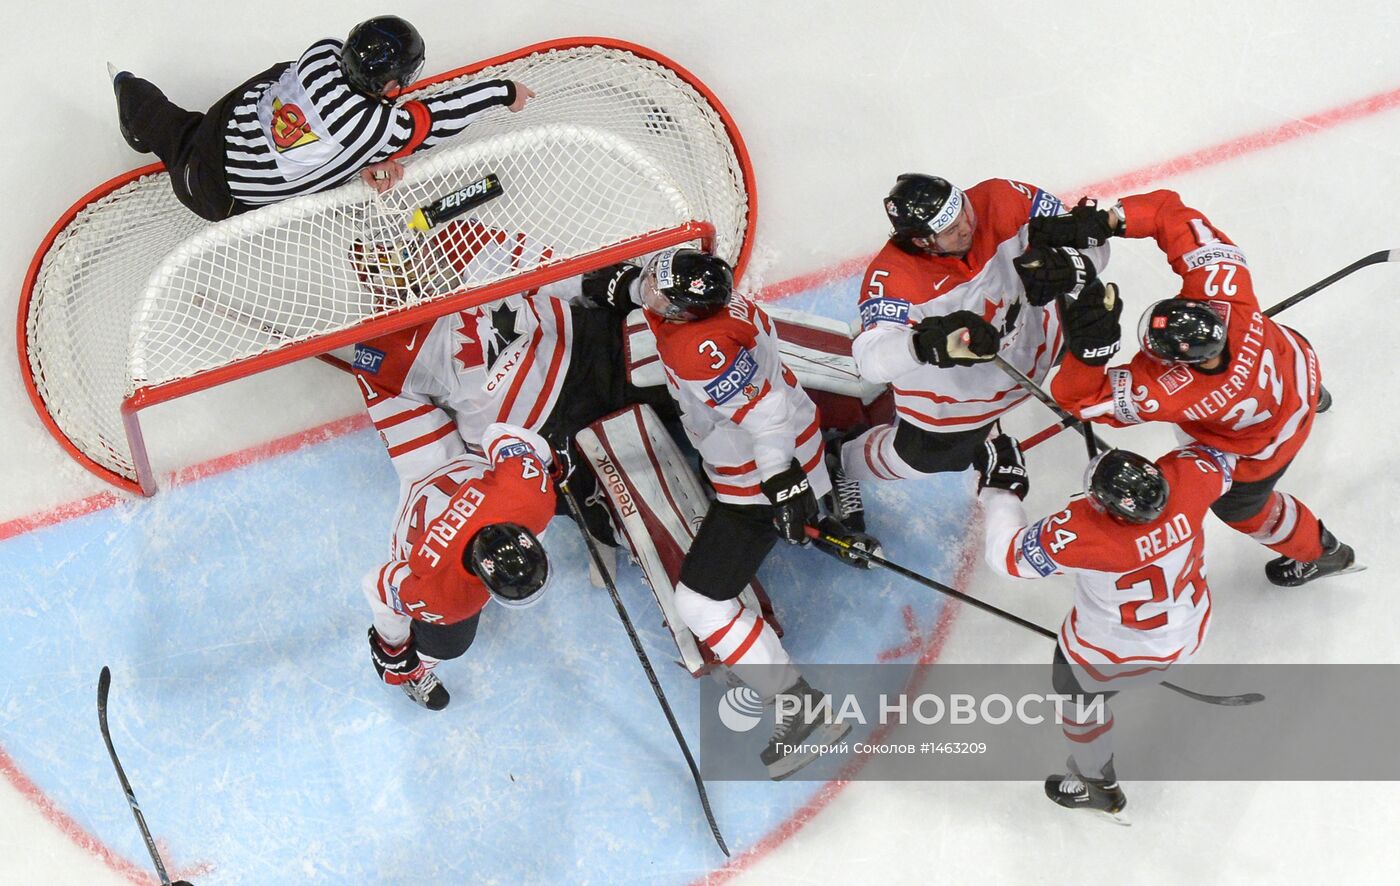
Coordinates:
709 349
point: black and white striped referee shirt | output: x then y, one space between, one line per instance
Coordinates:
309 131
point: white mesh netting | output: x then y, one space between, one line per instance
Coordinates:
137 291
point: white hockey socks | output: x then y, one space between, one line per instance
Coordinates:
1089 733
740 638
871 456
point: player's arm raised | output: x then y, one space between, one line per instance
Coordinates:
1002 482
1209 264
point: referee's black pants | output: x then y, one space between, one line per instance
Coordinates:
191 145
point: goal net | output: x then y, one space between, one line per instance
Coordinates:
133 300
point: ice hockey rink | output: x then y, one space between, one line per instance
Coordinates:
250 721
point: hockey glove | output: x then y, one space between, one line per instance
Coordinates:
1085 226
961 338
561 467
611 287
794 505
1092 330
395 664
1000 465
1050 273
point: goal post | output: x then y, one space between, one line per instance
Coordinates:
132 300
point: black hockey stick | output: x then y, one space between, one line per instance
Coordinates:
846 547
1374 258
1091 440
104 686
577 514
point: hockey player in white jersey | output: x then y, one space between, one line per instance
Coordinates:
1135 543
760 442
953 288
546 361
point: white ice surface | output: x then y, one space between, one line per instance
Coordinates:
834 100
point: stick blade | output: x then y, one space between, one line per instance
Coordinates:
104 686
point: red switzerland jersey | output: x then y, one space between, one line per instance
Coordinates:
1258 406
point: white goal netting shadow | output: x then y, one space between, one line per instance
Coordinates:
135 300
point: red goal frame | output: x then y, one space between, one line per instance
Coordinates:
383 324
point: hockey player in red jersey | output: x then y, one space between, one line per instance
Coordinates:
948 292
465 534
1135 543
1211 363
760 442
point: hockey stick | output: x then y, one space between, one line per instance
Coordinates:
577 513
1091 440
104 686
846 547
1374 258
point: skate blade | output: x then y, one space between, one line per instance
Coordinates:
1119 818
820 738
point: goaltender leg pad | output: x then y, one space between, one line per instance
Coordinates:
659 504
817 350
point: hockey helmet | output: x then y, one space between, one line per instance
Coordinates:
1182 330
1126 486
380 50
920 207
686 284
510 561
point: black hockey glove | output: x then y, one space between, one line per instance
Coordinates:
561 466
961 338
1050 273
1092 330
610 287
395 664
1086 226
1000 465
794 505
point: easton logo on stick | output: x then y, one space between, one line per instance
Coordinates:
454 204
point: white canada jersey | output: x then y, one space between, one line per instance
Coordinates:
741 407
901 288
430 387
1141 602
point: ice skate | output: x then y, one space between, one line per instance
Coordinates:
798 737
119 79
844 501
1337 558
427 691
1073 790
